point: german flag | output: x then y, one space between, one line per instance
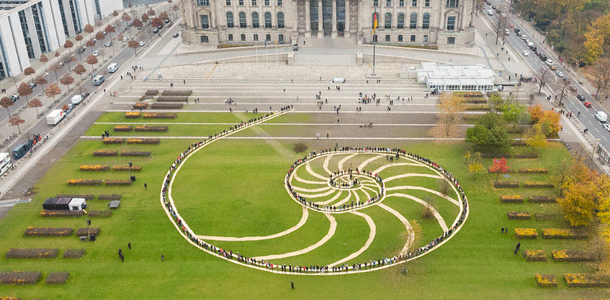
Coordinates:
374 23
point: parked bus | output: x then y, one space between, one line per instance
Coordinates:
5 162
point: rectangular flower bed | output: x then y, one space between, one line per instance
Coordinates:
506 184
561 233
538 184
151 128
546 280
127 168
48 231
172 99
534 255
586 280
100 214
135 153
105 153
140 105
109 197
118 182
144 141
85 196
20 277
159 115
526 155
123 128
177 93
518 215
132 115
533 170
111 141
495 155
94 231
74 253
573 256
74 182
31 253
511 199
546 216
542 199
57 278
526 233
60 213
94 168
165 105
151 92
479 107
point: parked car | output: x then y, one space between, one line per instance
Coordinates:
32 84
526 53
580 97
560 74
549 62
607 126
108 44
177 34
125 39
155 30
82 49
167 21
587 104
552 67
96 53
85 95
142 43
15 97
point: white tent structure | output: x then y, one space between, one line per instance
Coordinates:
456 78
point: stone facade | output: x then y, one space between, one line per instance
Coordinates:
442 23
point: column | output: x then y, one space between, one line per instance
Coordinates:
347 18
320 25
334 19
307 19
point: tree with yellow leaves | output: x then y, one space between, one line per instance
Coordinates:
536 138
449 106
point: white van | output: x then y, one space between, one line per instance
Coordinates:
113 67
99 79
76 99
601 116
490 12
338 80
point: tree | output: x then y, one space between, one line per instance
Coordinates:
515 113
536 137
144 17
600 75
24 90
68 44
541 77
109 29
6 102
78 38
548 119
499 165
156 22
56 53
16 121
80 69
100 36
579 203
41 80
55 67
126 18
88 29
137 23
43 59
29 71
163 16
66 80
65 107
151 12
474 163
92 60
134 44
450 106
115 13
501 25
52 90
36 103
489 134
563 86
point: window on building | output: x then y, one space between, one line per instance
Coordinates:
375 16
268 38
388 20
401 21
255 37
254 3
427 3
375 2
203 2
266 2
450 23
451 40
413 2
268 23
280 20
204 39
412 38
230 19
388 3
401 3
279 2
243 37
254 20
425 39
228 2
280 38
387 38
230 37
400 37
241 2
426 21
375 38
453 3
413 21
205 22
242 19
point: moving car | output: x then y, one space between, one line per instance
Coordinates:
560 74
601 116
108 43
96 53
490 12
99 79
552 67
125 39
526 53
142 43
607 126
82 49
113 67
580 97
549 62
587 104
177 34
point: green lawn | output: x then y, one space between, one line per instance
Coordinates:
235 188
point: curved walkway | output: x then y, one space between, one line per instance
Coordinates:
325 164
366 162
299 179
438 216
300 189
397 165
411 175
411 233
331 232
341 162
409 187
259 238
366 245
308 168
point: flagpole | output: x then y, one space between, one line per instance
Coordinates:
374 43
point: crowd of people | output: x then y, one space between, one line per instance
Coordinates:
260 263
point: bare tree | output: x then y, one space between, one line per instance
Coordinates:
563 86
600 75
541 77
501 25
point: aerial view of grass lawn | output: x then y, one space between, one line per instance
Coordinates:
239 216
